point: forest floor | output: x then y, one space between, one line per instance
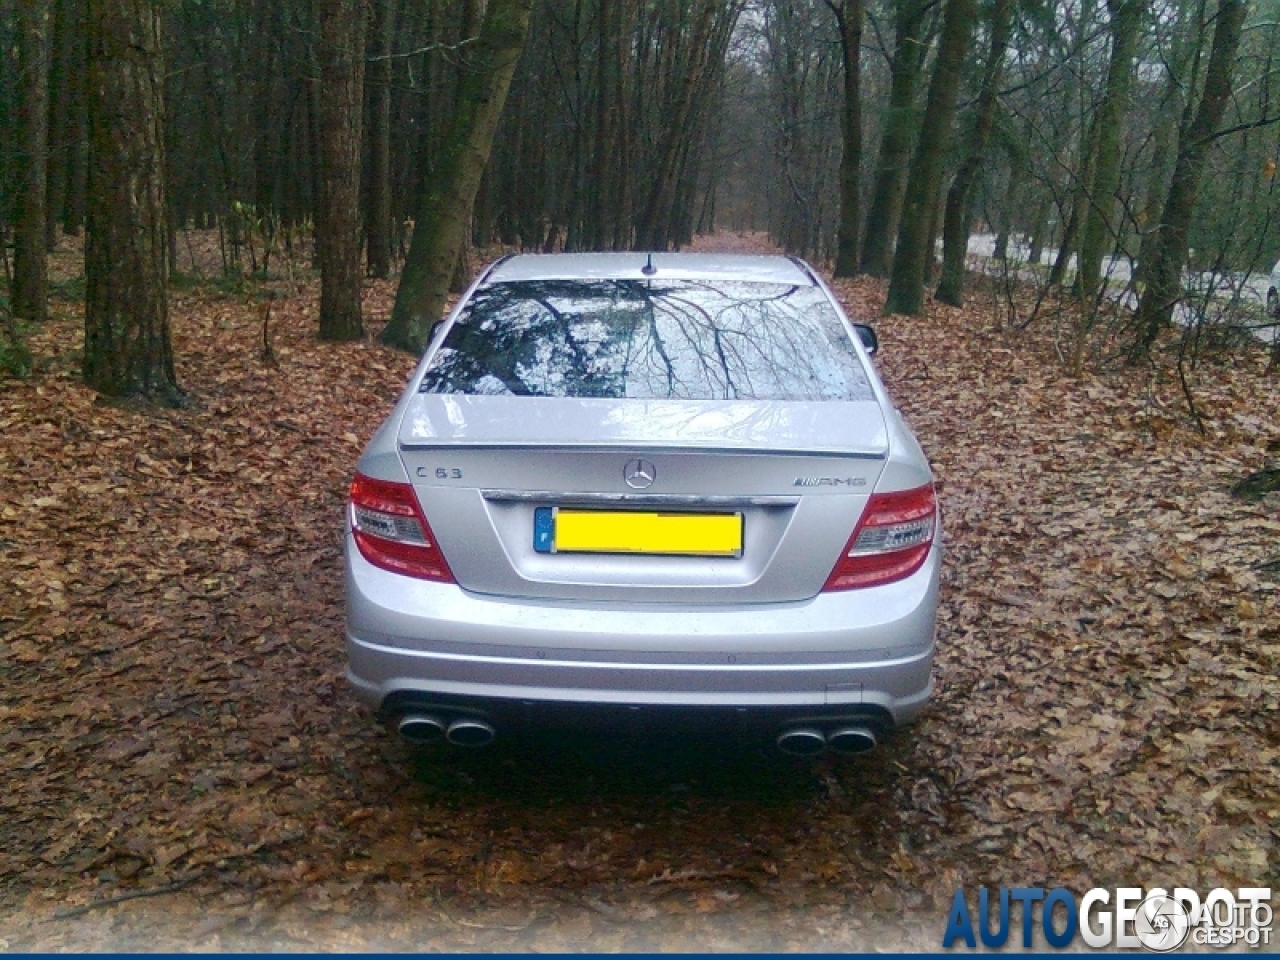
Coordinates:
183 766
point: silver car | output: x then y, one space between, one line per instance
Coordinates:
629 482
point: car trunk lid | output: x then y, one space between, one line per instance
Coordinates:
798 474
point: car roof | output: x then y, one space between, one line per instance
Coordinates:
678 266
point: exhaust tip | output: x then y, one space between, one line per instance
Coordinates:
852 740
420 728
470 733
802 741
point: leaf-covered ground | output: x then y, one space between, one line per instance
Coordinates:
183 767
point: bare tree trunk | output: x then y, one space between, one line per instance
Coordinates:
341 56
315 162
77 147
653 220
708 39
955 225
1067 245
73 212
63 70
127 350
30 245
849 17
447 197
268 138
1164 271
623 189
895 144
15 357
1178 83
378 89
600 229
1079 202
472 11
1099 214
936 210
1039 227
910 258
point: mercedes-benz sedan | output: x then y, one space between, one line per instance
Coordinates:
642 483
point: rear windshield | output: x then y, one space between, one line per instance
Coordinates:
649 339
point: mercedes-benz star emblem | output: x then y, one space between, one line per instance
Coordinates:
639 474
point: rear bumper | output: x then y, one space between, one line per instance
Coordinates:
411 640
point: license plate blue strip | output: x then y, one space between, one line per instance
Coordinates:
544 528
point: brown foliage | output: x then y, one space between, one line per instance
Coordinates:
181 756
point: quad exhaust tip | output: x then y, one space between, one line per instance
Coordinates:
811 741
851 739
802 741
420 728
467 732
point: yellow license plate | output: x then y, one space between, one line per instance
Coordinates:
635 531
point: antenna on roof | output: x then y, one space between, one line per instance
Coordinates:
649 269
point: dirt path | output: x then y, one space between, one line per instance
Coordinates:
175 729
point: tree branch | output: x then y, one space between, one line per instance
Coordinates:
427 49
1252 125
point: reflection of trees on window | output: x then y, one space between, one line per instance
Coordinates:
677 339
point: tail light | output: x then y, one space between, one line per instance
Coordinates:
890 542
391 531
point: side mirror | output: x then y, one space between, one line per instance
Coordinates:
867 335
